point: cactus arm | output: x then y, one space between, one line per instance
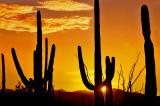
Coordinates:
150 86
50 66
46 61
82 70
50 82
50 69
110 68
19 70
51 61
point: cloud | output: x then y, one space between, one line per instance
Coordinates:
67 23
18 23
21 2
17 18
13 16
10 10
65 5
28 23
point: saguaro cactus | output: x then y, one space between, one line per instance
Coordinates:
38 82
150 86
99 100
3 75
110 68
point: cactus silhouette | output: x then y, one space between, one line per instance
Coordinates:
99 99
110 68
59 98
50 76
150 86
46 60
38 82
3 75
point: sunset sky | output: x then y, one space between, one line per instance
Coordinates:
70 23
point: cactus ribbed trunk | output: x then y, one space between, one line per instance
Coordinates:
3 75
99 100
38 62
150 86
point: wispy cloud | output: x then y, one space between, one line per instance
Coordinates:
17 18
18 23
67 23
13 16
65 5
9 10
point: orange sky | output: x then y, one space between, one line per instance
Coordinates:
69 26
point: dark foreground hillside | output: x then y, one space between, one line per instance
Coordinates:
77 98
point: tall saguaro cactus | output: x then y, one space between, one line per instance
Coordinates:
99 99
38 82
150 86
3 75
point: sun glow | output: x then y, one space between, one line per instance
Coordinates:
103 88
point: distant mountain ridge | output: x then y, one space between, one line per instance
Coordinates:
76 97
